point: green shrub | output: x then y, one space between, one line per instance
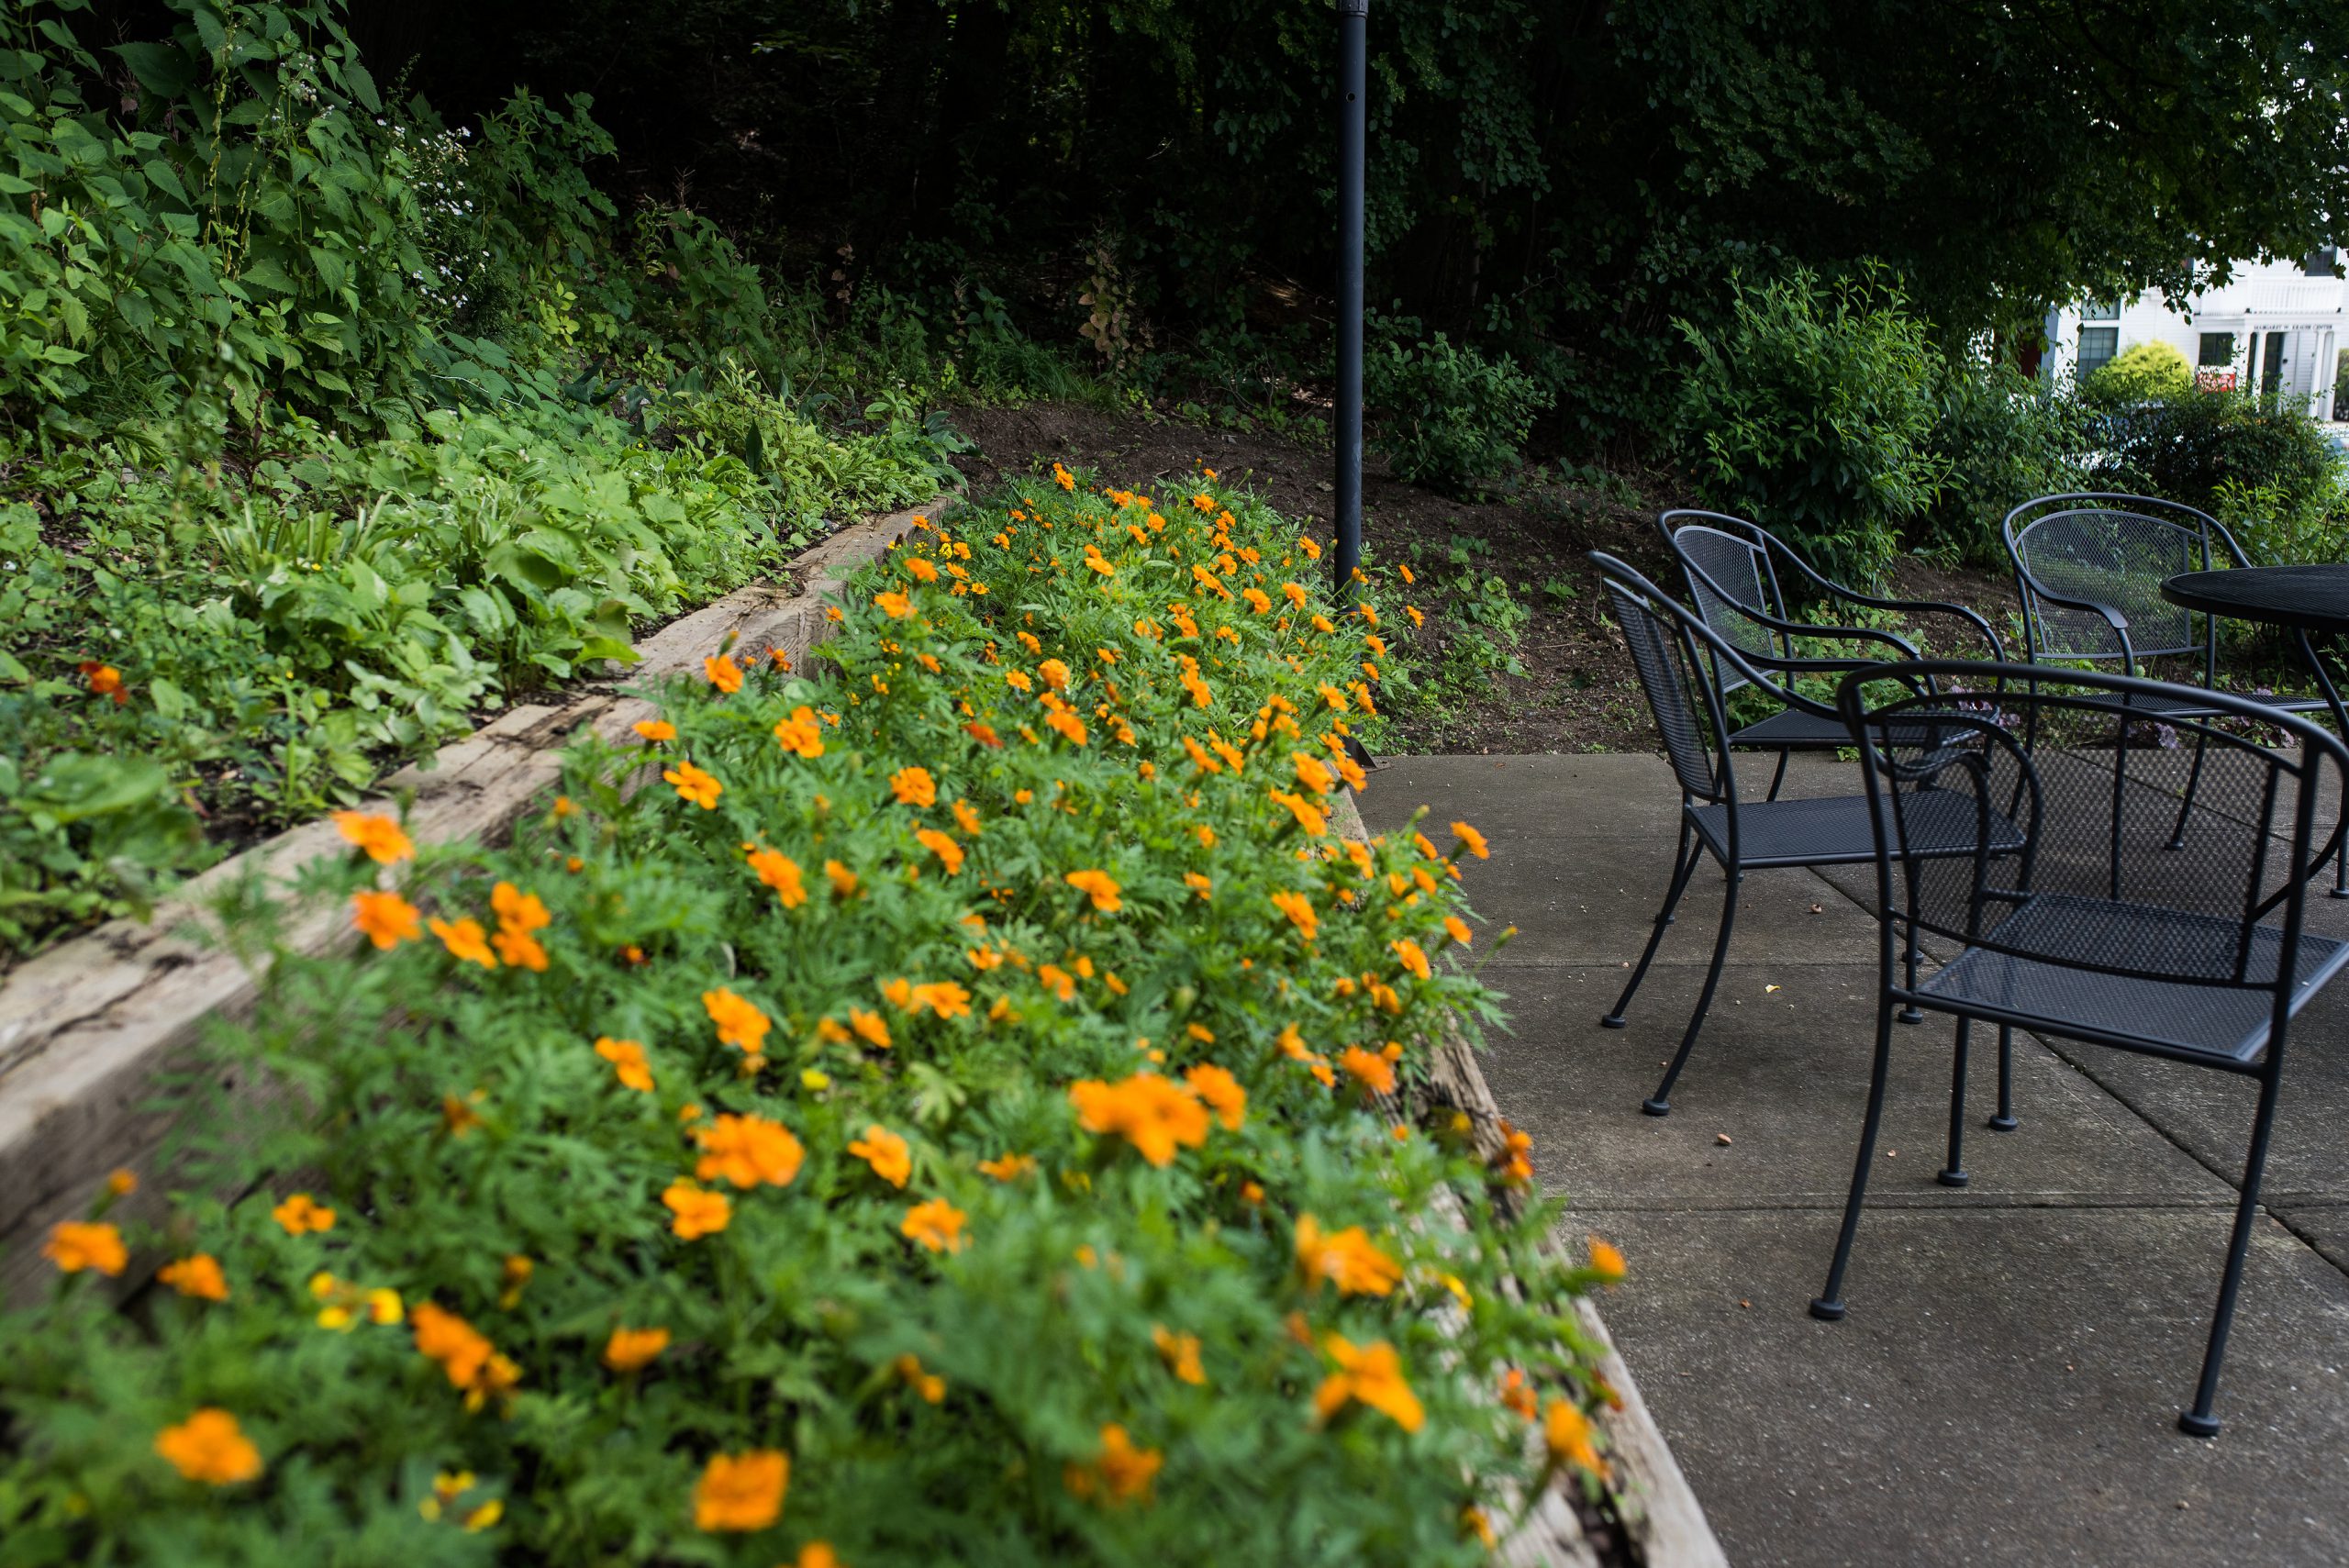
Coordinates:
2191 447
1813 412
2003 437
1446 415
2277 528
2139 371
1026 869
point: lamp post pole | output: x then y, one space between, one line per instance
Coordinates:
1353 22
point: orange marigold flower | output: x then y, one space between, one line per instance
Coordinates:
843 880
983 734
1221 1091
517 910
633 1350
723 673
385 918
699 1213
887 1153
520 948
1312 772
869 1028
1258 600
936 1224
781 872
1566 1433
466 1356
747 1151
1199 884
1348 1259
196 1275
897 606
300 1215
655 729
1371 1375
966 817
1053 673
211 1448
1155 1115
741 1493
1517 1394
1181 1353
1121 1474
1009 1167
1471 841
692 784
1606 1259
105 680
379 836
1099 887
1457 930
914 786
74 1246
920 569
1368 1068
1299 910
740 1023
628 1063
801 735
942 845
1410 955
1309 816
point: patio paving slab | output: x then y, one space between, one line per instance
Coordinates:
2005 1388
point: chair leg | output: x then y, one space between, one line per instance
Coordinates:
2198 1421
1953 1173
2193 783
1912 1014
1780 776
2005 1120
1828 1304
1660 1103
1690 853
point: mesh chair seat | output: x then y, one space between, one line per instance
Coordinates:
2183 706
1793 727
2090 1002
1837 831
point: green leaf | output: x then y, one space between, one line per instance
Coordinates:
164 69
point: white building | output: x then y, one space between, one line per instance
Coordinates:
2275 325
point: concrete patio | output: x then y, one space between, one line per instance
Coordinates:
2005 1388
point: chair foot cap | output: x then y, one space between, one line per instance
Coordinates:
1611 1022
1656 1107
2003 1123
2194 1426
2338 892
1951 1178
1911 1015
2176 843
1826 1311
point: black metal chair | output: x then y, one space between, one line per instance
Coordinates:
1733 569
2090 567
2097 929
1674 652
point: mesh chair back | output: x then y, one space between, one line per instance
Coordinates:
2068 802
2111 550
1687 708
1726 572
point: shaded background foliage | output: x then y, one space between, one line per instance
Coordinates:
1557 181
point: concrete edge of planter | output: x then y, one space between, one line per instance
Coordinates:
92 1029
1651 1498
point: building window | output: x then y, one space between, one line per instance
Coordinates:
2322 262
2106 310
2098 345
2217 350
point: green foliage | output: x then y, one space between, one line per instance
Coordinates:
1449 416
2276 526
2140 372
2193 446
1813 412
2005 437
483 1159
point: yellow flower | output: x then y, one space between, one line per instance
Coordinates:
914 786
385 918
781 872
695 785
466 941
740 1023
740 1493
300 1216
1181 1352
1411 956
1371 1375
379 836
887 1153
1471 841
1221 1091
1155 1115
1009 1167
627 1060
1053 673
723 673
747 1151
633 1350
699 1213
1121 1474
197 1275
211 1448
1099 887
74 1246
655 729
1348 1259
936 1224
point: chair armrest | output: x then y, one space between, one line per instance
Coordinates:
2112 617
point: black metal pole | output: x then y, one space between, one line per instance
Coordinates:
1353 23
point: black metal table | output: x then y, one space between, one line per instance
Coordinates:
2307 601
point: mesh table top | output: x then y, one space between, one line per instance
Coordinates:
2312 598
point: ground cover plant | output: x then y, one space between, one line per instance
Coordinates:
948 1114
